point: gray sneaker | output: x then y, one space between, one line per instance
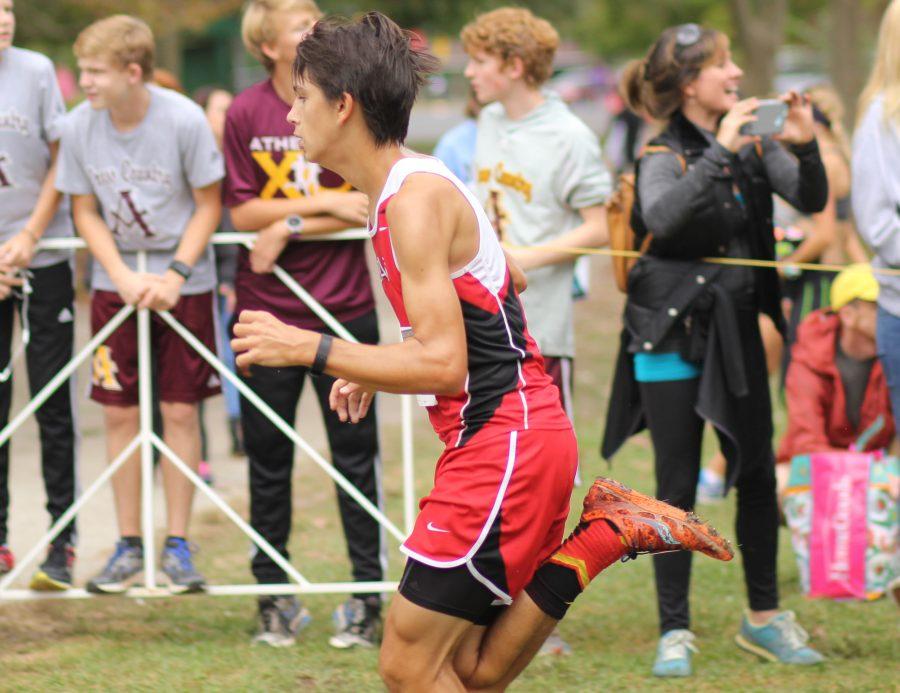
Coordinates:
280 619
357 623
177 563
126 564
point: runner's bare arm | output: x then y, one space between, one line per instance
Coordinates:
91 227
19 250
433 360
592 233
343 209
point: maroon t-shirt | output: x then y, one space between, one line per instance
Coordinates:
263 159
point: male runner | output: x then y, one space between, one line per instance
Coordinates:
31 107
541 179
148 158
270 187
488 533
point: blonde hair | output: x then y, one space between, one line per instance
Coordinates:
121 38
514 32
885 76
259 27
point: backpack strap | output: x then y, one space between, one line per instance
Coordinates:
663 149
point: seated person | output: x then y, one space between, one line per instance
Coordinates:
836 388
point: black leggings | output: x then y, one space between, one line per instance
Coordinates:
677 434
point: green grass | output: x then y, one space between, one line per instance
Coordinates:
202 643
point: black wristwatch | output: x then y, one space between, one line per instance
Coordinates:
181 269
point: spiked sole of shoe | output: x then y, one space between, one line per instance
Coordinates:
615 492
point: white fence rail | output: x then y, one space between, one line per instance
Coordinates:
146 440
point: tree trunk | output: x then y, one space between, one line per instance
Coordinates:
760 33
848 73
168 51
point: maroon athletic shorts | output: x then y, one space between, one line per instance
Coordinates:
181 373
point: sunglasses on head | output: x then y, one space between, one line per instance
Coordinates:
687 35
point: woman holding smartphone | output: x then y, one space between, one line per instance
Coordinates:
691 349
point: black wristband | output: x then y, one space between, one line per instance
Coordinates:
318 365
182 269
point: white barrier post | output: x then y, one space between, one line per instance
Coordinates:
409 482
65 373
281 425
257 539
69 514
145 398
147 440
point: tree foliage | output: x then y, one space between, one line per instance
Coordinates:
52 25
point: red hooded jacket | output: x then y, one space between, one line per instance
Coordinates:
817 409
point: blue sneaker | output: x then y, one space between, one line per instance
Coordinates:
780 640
673 654
126 564
710 488
178 564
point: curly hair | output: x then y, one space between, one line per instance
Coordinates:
514 32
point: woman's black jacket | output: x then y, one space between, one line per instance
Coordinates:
719 205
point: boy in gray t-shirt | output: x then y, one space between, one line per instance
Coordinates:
36 285
148 158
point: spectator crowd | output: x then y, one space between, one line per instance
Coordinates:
139 169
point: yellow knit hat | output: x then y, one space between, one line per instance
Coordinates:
853 282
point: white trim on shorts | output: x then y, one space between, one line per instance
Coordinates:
467 559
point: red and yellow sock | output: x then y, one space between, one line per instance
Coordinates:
589 550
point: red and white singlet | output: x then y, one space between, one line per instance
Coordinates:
506 388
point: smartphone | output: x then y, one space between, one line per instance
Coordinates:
770 117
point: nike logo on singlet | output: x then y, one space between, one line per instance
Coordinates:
432 528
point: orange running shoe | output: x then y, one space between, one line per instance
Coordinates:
647 525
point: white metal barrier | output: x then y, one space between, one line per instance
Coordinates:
146 440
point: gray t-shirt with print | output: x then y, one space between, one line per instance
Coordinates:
31 108
533 175
143 179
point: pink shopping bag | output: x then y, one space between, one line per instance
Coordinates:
838 539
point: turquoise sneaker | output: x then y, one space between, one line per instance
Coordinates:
780 640
673 654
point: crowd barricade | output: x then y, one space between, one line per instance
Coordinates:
146 441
